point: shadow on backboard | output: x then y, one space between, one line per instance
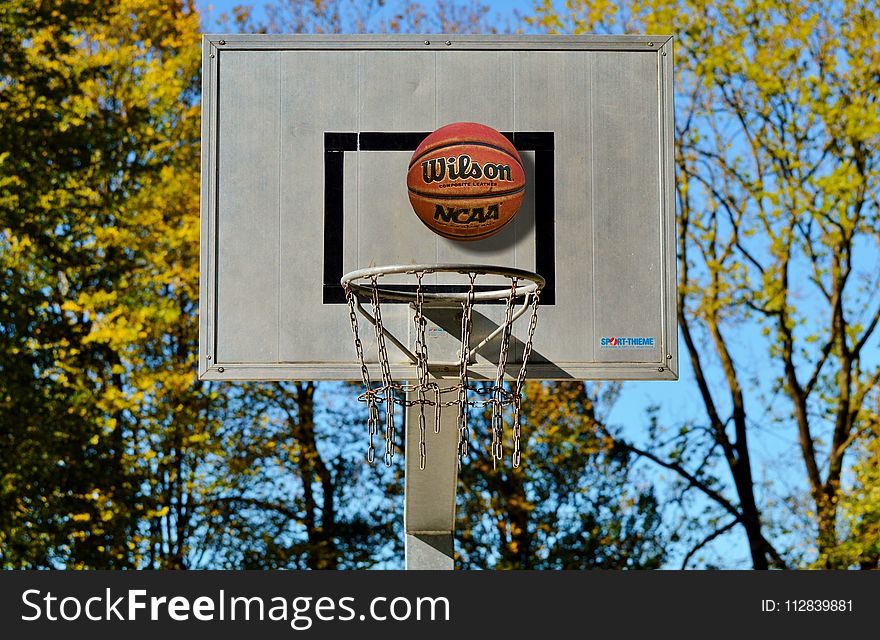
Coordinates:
444 343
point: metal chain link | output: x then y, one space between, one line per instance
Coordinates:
498 391
373 410
387 381
520 380
466 322
495 395
421 366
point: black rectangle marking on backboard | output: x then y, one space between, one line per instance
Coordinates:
334 214
545 223
337 143
533 140
373 141
340 141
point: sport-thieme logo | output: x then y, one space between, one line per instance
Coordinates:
626 342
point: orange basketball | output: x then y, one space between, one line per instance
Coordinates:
466 181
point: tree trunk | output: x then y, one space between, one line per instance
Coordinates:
323 552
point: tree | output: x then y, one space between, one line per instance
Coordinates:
301 494
99 209
777 133
373 16
112 453
860 506
572 504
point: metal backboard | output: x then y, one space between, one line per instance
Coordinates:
305 146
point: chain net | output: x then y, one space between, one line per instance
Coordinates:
424 391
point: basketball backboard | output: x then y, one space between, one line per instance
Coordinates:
306 142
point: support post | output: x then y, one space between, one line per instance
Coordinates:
429 507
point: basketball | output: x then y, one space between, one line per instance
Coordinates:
466 181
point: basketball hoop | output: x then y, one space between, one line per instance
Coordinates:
520 285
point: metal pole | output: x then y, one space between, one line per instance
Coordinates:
429 507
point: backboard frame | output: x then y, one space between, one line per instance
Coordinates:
209 368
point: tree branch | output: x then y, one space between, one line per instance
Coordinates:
712 536
684 473
864 339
